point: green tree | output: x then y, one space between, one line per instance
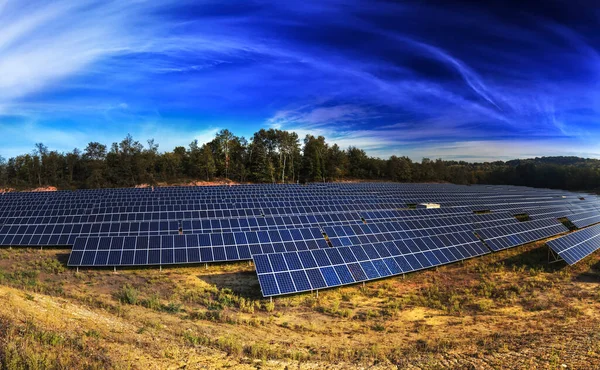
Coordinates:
207 161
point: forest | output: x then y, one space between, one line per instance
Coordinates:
272 156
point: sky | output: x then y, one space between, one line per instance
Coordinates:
475 81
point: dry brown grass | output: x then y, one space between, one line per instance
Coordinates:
505 310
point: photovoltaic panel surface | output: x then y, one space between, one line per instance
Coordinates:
292 272
192 248
508 236
577 245
583 219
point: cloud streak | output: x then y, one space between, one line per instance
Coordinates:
368 74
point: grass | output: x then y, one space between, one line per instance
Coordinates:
27 346
508 309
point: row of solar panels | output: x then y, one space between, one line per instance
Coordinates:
577 245
232 198
292 272
144 213
416 190
270 212
219 202
17 235
32 235
192 208
352 189
193 215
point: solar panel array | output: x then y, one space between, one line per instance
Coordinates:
508 236
292 272
577 245
301 237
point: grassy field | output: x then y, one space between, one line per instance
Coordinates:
506 310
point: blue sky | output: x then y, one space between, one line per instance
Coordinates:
431 79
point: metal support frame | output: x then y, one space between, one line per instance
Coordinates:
553 257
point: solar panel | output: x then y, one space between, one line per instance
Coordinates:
196 248
508 236
584 219
293 272
577 245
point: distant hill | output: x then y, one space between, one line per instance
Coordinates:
559 160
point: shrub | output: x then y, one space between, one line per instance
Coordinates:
269 306
128 294
172 307
152 303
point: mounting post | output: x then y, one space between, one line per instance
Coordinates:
159 267
206 266
114 268
317 293
553 257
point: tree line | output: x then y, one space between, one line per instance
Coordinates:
273 156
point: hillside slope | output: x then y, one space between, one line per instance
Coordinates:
509 309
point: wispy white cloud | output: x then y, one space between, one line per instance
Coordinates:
313 116
43 42
473 80
134 66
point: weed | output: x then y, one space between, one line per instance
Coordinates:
172 307
152 303
92 334
269 306
128 295
196 340
378 327
50 266
231 345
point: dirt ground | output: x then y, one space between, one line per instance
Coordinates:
506 310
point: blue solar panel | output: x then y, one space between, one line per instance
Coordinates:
508 236
214 247
370 261
583 219
577 245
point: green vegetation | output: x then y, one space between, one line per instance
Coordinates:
273 156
